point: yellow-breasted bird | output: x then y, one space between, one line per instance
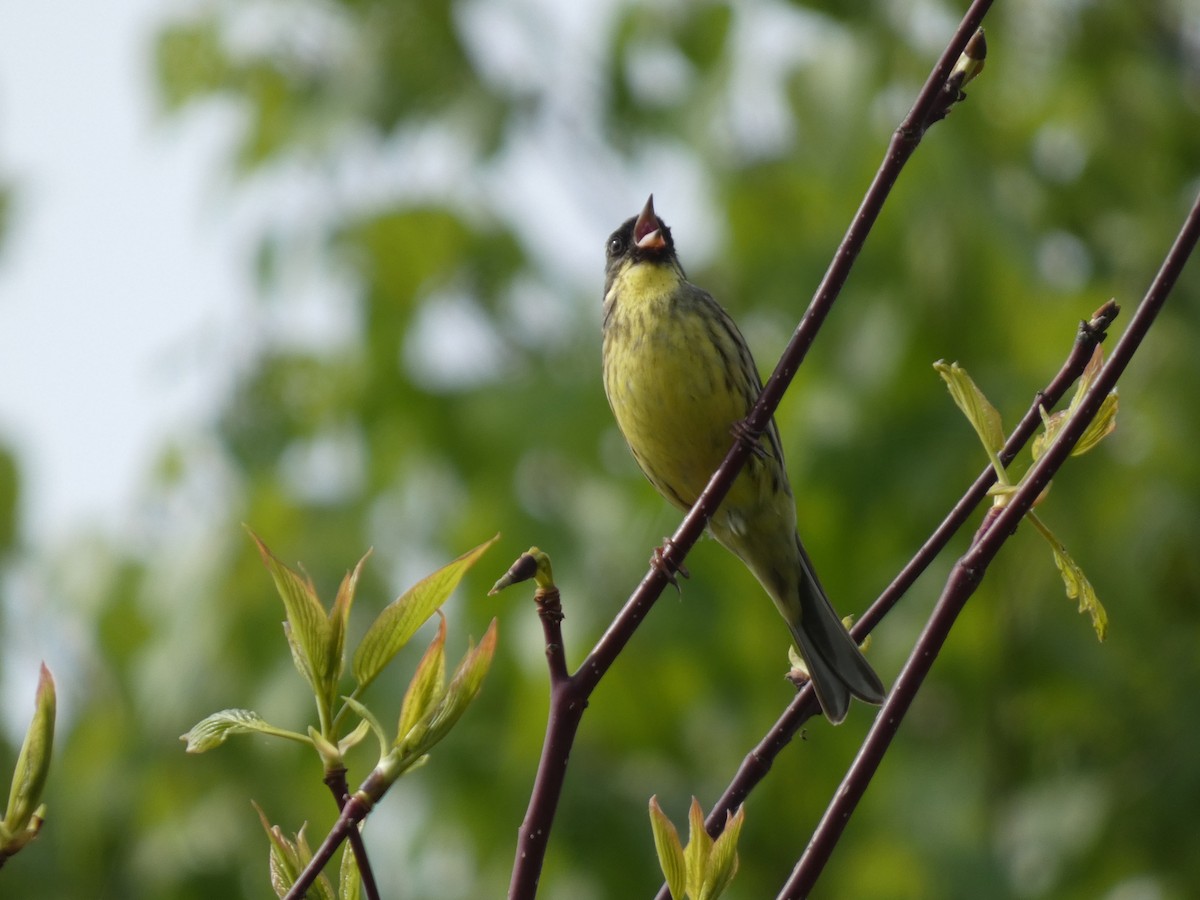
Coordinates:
680 378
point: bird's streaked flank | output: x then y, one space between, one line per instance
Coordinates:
680 379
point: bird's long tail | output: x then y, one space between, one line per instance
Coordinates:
835 664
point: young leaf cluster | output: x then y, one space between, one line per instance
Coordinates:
317 640
985 419
705 867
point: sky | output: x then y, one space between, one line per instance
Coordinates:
120 274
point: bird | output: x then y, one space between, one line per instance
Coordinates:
681 381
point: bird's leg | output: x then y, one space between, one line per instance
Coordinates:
743 432
658 559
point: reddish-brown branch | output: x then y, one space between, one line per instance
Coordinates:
336 782
969 570
354 810
569 697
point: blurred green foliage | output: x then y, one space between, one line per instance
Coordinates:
470 159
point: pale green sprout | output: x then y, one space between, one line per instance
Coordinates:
970 63
985 419
25 813
289 857
703 869
533 563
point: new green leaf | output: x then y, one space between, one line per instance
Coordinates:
984 417
355 737
401 618
669 850
1099 428
22 818
1076 583
289 858
703 869
339 616
697 851
723 861
372 723
307 626
425 689
215 729
464 685
349 881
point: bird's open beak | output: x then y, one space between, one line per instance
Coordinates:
646 233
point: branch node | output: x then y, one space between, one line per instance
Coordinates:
1096 328
744 432
659 560
970 63
549 605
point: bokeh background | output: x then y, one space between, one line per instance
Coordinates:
380 328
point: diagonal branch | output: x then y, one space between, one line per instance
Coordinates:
998 526
569 697
336 782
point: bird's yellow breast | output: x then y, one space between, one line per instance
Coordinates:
646 285
667 373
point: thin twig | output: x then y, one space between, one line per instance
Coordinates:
569 698
336 782
567 704
353 812
355 808
968 572
549 605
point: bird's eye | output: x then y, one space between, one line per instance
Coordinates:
615 245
